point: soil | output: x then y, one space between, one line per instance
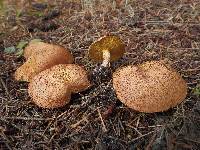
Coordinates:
95 119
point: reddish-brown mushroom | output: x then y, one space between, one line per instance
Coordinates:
49 92
41 56
52 87
74 74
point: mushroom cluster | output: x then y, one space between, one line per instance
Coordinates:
52 87
150 87
41 56
51 75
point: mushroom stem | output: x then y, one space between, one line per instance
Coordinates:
106 58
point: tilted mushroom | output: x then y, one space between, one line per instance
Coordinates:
106 49
150 87
41 56
52 87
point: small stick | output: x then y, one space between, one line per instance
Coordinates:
141 136
49 124
51 139
7 140
6 89
26 118
148 147
77 123
103 124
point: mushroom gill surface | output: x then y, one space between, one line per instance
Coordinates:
111 44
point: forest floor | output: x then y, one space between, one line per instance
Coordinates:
95 118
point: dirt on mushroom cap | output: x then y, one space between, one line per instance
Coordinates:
42 58
150 87
111 43
49 92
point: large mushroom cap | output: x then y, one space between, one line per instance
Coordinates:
150 87
75 75
41 57
113 44
49 92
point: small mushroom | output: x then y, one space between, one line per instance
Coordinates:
41 56
52 87
150 87
106 49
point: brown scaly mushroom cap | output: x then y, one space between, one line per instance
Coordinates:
35 47
108 48
74 74
52 87
150 87
41 56
49 92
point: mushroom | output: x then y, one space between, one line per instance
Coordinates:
150 87
106 49
74 74
48 92
52 87
41 56
36 47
